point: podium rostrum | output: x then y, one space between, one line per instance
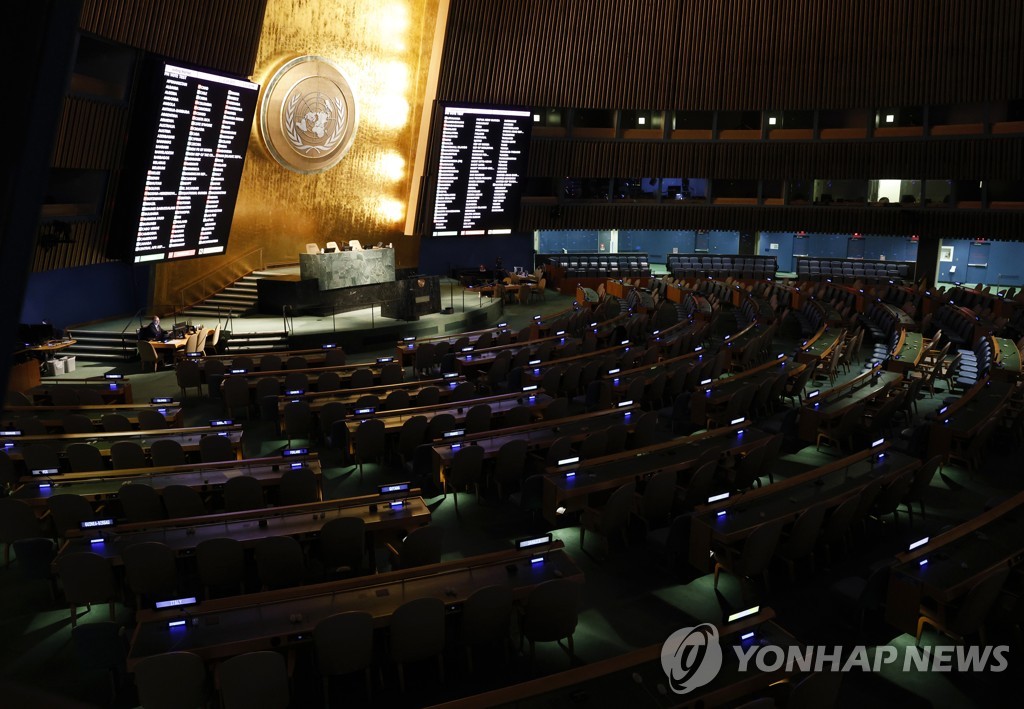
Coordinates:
418 295
344 269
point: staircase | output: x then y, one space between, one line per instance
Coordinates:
249 342
238 300
111 346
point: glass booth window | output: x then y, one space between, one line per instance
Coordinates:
829 192
684 188
549 117
632 188
938 193
643 120
969 192
593 118
636 188
903 192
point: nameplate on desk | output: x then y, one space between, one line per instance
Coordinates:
814 394
215 423
11 434
365 411
175 603
385 360
624 404
533 362
533 541
328 346
569 461
295 392
46 472
531 387
193 355
454 433
409 339
745 613
450 375
393 489
157 400
290 452
918 543
238 371
96 523
114 377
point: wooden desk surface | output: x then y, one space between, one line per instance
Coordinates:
832 403
538 436
636 679
188 438
954 561
785 500
116 392
910 350
716 394
500 405
965 416
173 344
300 521
317 399
277 619
51 346
1007 356
52 416
609 472
203 477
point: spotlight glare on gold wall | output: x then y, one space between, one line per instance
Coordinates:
385 52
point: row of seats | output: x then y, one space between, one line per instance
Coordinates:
82 456
882 323
956 326
975 363
634 265
810 317
718 266
851 269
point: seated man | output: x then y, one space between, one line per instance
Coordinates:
153 331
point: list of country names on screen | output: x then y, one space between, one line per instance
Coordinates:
199 149
480 171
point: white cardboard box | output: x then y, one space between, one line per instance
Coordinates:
54 367
69 363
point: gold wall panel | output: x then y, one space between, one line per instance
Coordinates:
384 49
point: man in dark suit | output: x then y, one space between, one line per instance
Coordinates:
153 331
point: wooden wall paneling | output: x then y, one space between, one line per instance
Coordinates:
221 34
739 54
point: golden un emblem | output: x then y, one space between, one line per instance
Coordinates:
308 115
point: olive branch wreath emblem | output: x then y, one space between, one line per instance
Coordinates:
296 139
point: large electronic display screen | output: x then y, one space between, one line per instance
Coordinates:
186 152
480 169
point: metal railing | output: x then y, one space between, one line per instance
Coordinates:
198 290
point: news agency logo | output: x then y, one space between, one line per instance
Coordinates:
691 657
